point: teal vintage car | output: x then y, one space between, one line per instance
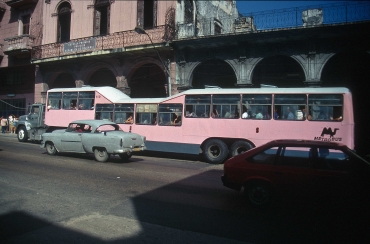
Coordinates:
100 137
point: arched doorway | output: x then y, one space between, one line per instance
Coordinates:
103 77
148 81
214 73
351 70
64 80
280 71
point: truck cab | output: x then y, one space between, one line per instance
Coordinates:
31 126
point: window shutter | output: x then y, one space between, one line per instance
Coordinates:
108 19
155 4
96 22
140 13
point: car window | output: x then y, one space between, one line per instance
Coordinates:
103 128
332 159
266 157
295 157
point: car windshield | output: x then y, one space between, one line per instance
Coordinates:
106 128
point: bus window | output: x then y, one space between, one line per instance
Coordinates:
86 100
104 111
54 100
146 114
256 106
170 114
290 106
70 100
197 105
325 107
226 106
123 112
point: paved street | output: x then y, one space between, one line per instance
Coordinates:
71 198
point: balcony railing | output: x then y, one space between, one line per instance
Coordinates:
300 17
18 44
115 41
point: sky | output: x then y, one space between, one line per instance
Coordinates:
246 6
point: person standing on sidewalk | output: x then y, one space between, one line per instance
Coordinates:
4 124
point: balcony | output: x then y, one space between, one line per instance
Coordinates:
20 3
2 5
19 46
95 45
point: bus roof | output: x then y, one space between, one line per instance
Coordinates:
264 90
111 93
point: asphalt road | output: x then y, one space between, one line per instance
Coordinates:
71 198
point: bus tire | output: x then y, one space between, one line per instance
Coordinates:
22 134
215 151
50 148
101 155
125 156
239 147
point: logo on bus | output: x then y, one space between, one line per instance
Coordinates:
328 134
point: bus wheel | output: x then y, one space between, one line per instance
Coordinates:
22 134
101 155
239 147
215 151
50 148
125 156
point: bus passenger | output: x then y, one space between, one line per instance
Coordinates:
245 115
227 114
177 120
290 115
259 114
129 120
215 113
276 115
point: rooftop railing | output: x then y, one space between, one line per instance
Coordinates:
299 17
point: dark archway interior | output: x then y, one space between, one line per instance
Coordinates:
280 71
64 80
103 77
352 70
214 73
149 81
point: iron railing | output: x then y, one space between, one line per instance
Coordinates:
299 17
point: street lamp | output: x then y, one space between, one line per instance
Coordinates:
140 30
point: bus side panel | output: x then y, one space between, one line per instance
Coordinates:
172 147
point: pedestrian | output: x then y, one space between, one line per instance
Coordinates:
4 124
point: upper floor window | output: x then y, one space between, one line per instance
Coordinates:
189 11
25 24
147 13
101 17
64 22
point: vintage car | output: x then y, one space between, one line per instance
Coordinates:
100 137
313 170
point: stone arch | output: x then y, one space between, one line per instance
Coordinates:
98 71
213 72
61 78
146 78
279 70
351 70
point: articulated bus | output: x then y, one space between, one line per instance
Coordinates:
219 123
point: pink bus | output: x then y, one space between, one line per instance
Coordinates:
219 123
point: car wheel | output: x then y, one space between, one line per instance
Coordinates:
125 156
101 154
50 148
215 151
22 134
239 147
259 194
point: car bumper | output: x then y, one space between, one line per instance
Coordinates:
125 150
226 182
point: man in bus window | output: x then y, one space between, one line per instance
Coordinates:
290 115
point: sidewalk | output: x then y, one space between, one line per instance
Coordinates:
7 134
